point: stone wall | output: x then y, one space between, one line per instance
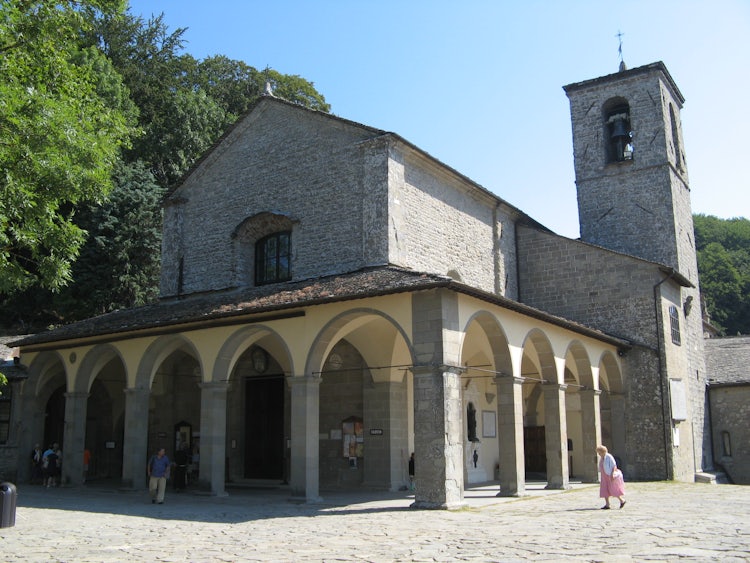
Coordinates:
353 197
440 223
286 160
730 412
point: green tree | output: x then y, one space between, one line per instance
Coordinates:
182 106
119 264
61 129
723 247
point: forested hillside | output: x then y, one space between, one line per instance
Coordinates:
724 265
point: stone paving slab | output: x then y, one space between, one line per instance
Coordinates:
662 521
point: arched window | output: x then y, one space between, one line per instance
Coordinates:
273 258
619 133
675 138
263 249
674 325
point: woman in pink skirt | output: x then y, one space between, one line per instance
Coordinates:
612 483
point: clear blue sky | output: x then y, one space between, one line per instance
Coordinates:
478 83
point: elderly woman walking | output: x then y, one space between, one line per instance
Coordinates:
612 483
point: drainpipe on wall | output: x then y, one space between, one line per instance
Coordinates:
666 406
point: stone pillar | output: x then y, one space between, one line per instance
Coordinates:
30 416
591 433
556 435
305 423
438 438
74 438
213 451
510 436
135 440
386 454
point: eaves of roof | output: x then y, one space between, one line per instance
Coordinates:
277 301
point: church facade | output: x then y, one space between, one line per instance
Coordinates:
333 299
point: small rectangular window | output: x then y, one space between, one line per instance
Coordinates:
674 323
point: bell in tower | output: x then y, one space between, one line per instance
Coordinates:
620 135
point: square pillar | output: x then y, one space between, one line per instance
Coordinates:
213 436
592 433
74 437
438 439
510 436
134 454
556 435
305 423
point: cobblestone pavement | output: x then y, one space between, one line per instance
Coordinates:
661 522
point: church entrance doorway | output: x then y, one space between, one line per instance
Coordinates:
264 427
535 451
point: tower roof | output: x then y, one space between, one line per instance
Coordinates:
627 73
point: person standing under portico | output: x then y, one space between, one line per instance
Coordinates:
158 473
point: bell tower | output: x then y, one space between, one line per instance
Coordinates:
631 175
634 198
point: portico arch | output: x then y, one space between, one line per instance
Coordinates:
582 413
43 405
167 383
612 402
255 361
356 369
489 378
96 410
542 381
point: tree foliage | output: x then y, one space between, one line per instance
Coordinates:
723 247
119 265
136 74
63 117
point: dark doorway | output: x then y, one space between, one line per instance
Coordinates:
535 450
54 418
264 427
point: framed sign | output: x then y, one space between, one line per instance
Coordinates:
488 424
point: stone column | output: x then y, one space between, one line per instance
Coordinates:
556 436
510 436
135 440
591 433
74 437
438 449
438 429
305 422
30 417
213 451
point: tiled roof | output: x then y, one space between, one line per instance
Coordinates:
728 360
226 306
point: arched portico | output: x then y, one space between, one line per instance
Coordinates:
355 382
169 364
43 405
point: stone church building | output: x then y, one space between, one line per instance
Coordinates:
333 299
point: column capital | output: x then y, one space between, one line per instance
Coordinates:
587 391
553 385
